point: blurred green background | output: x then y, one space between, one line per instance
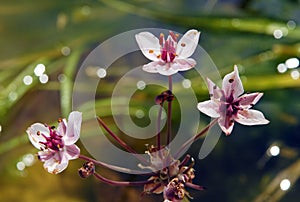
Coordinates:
261 36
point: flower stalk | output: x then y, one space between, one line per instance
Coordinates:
169 116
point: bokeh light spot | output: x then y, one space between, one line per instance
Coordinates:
101 73
281 68
277 34
275 150
295 74
141 85
139 113
65 50
27 80
285 184
292 63
186 83
44 78
39 69
20 166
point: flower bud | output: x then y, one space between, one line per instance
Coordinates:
86 170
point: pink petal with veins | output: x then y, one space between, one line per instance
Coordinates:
183 64
149 45
72 151
56 164
210 108
233 84
251 117
248 100
35 136
187 44
73 128
214 91
226 123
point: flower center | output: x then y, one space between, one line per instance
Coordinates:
54 142
168 47
229 106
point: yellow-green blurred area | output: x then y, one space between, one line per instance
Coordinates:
261 36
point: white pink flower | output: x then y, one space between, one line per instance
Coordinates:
168 56
228 105
57 145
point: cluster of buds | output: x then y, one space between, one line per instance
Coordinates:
172 177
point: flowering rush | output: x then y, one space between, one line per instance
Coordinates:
168 56
57 145
229 106
166 173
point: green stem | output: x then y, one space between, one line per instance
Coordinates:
67 84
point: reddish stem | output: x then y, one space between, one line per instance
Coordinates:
169 120
185 160
121 183
195 138
194 186
158 139
121 142
112 167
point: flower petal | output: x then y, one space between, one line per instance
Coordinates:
62 127
45 155
214 91
149 45
34 133
57 163
72 151
210 108
232 84
167 70
159 67
73 128
183 64
248 100
226 123
251 117
153 67
187 44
